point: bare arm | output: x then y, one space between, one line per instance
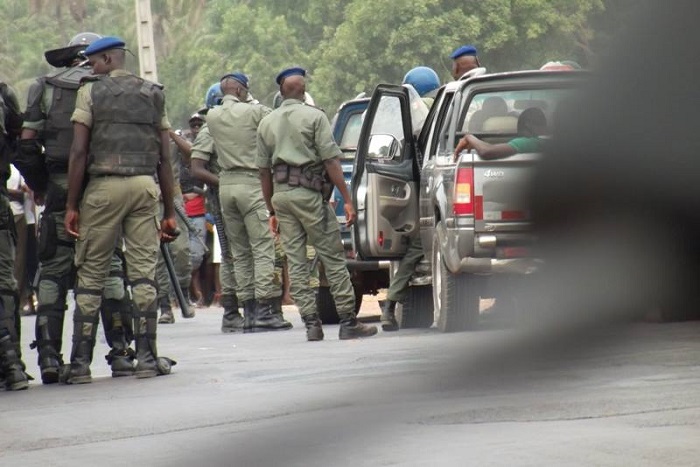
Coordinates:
267 189
483 149
77 163
198 170
165 177
182 144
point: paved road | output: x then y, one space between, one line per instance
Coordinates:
626 397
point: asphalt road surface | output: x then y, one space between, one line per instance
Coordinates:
416 397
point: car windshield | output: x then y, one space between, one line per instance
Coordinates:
497 113
351 132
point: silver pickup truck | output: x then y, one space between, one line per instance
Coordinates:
471 214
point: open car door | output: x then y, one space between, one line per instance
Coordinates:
385 177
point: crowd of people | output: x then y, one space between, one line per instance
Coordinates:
138 219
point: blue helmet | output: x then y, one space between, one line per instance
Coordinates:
423 79
214 95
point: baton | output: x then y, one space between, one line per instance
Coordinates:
184 306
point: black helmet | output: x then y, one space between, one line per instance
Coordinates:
65 56
84 38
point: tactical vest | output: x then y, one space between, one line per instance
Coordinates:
58 130
125 137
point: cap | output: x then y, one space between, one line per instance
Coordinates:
196 116
106 43
462 51
294 71
238 76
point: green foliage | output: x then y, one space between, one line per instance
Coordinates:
347 46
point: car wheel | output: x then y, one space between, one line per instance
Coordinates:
417 309
455 296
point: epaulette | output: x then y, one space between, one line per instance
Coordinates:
313 106
88 78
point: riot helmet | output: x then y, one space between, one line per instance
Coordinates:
84 38
214 95
423 79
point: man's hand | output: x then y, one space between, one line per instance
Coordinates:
39 198
274 226
70 222
168 229
461 146
350 214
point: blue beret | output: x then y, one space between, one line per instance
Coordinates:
294 71
106 43
238 76
464 50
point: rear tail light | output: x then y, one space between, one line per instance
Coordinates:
464 192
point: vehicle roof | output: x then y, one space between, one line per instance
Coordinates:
512 75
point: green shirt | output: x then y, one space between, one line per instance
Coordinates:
234 127
526 145
203 148
43 90
295 134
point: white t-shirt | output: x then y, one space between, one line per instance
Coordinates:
15 182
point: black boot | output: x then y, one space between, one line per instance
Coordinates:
266 319
314 331
232 320
249 307
277 310
116 319
84 332
80 360
388 320
11 365
146 351
48 332
166 311
351 328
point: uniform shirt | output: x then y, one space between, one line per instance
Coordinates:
295 134
203 148
234 127
83 104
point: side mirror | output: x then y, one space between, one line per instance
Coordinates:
385 147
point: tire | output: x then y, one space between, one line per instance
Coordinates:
417 309
455 296
325 304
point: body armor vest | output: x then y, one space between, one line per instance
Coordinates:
58 130
125 137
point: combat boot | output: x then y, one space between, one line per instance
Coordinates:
146 357
121 357
166 311
277 310
388 320
48 331
314 331
249 307
11 365
265 318
351 328
232 321
80 360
